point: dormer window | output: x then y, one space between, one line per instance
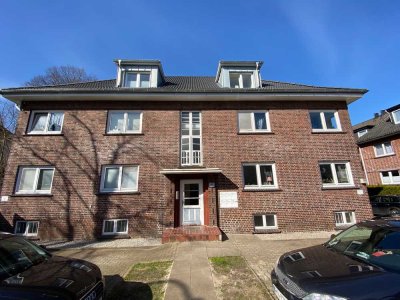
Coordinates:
239 74
396 116
137 80
241 80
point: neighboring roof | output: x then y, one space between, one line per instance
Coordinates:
369 123
383 128
179 84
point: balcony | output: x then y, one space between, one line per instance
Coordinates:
191 158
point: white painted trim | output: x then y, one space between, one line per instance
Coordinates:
32 116
258 172
385 153
35 181
139 73
201 198
335 178
191 171
253 126
344 218
191 137
394 117
125 112
115 227
264 218
26 228
183 96
390 177
363 164
240 73
119 189
323 121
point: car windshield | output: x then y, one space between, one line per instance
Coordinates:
378 245
17 255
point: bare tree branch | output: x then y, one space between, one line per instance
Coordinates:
60 75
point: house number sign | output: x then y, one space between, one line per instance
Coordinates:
228 199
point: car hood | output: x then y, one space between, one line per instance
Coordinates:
73 275
323 270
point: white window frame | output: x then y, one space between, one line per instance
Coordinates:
26 228
115 227
384 149
124 130
241 78
394 116
390 177
264 218
45 131
35 182
345 223
258 172
323 121
138 81
362 132
335 178
190 137
119 189
253 124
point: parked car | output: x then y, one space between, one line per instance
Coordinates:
385 205
27 271
362 262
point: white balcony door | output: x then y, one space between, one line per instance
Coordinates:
192 206
191 138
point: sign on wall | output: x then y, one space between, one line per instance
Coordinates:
228 199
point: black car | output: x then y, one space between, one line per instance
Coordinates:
362 262
385 205
27 271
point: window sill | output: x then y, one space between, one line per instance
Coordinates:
43 134
255 132
117 193
266 230
344 187
123 134
31 195
274 189
386 155
342 227
114 236
327 131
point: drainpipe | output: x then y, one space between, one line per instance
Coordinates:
119 73
363 165
258 73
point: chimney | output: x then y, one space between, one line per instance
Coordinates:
382 112
376 115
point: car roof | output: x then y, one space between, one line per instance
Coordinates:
4 235
390 221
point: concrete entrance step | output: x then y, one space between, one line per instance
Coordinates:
191 233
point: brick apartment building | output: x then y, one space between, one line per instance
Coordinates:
143 153
379 143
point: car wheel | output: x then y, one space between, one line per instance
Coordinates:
395 211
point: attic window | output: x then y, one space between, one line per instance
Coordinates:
137 80
362 132
241 80
396 116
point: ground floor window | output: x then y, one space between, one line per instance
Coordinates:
343 218
34 180
115 226
390 177
266 221
335 174
27 228
119 178
259 176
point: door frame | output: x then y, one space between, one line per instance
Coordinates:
201 198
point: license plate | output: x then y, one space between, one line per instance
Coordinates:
278 293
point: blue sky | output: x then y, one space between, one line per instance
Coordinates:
343 43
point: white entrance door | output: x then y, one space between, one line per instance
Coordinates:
192 208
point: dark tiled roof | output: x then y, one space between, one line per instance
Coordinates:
369 123
383 128
178 84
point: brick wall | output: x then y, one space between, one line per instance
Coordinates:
76 209
374 165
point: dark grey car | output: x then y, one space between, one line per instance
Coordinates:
385 205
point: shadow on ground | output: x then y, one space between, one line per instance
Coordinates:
118 288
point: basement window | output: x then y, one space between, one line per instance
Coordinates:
267 221
345 218
115 226
27 228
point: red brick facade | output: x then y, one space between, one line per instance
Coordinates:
375 165
76 209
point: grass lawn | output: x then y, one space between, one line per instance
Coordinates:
234 279
144 281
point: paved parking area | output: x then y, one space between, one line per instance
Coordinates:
190 259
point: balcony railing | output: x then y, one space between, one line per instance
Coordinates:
189 158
